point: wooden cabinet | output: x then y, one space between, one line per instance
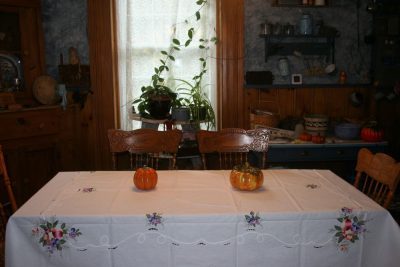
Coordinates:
38 143
22 39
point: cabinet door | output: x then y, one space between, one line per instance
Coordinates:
30 167
22 39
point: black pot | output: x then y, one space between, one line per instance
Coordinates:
180 114
199 113
159 107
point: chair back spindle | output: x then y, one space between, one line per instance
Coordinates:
145 146
232 145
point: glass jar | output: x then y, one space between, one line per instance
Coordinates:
305 25
283 66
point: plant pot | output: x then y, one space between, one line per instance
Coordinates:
199 113
180 114
159 107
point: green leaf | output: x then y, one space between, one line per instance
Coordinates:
187 43
162 61
162 68
190 33
156 70
202 46
172 58
214 39
177 48
202 59
338 228
161 80
62 225
164 52
199 2
176 41
166 68
198 15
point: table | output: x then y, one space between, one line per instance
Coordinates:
195 218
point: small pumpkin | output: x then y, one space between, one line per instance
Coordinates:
145 178
305 136
247 178
318 139
371 134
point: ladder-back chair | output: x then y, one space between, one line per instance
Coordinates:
232 145
377 175
10 195
145 146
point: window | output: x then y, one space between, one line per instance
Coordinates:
145 28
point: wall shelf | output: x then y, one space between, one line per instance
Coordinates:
285 45
294 86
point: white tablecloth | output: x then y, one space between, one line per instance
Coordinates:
195 218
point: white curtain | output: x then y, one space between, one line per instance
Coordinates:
145 28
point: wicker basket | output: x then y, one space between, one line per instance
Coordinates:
263 118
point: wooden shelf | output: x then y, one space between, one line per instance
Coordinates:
294 86
304 44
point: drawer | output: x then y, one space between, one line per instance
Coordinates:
27 124
299 154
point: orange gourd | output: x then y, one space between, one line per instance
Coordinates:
305 136
145 178
247 178
318 139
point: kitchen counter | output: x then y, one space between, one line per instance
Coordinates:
339 156
332 150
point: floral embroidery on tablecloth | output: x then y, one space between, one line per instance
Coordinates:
349 230
53 235
253 220
154 220
87 189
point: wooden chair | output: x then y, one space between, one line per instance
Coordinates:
233 145
145 146
377 175
10 194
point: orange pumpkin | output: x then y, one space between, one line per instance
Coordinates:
145 178
246 177
318 139
371 134
305 136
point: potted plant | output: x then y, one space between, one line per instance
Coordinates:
157 98
193 92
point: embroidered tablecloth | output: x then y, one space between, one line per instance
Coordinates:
195 218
